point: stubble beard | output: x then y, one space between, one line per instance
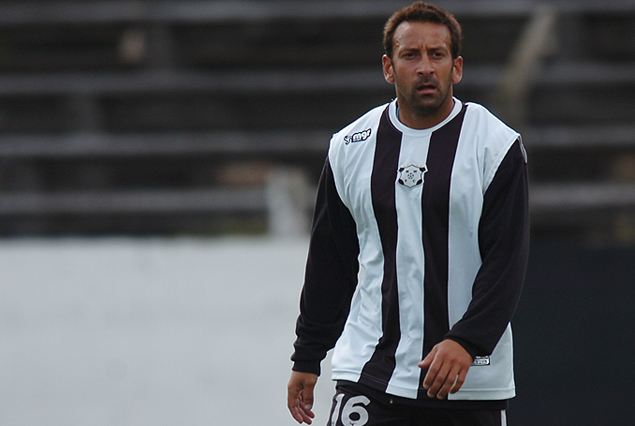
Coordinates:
426 105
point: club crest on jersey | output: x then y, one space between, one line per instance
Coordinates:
357 137
411 175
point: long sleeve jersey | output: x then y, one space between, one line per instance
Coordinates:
418 236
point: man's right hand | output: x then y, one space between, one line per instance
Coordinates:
300 396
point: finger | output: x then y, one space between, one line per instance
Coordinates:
300 410
296 413
306 408
293 404
306 415
427 361
459 381
300 401
430 377
300 397
448 384
307 396
294 409
439 380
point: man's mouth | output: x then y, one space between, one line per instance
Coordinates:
427 88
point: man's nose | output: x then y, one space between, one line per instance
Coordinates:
425 66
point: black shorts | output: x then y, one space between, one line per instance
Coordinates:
351 408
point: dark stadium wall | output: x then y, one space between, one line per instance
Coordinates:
574 337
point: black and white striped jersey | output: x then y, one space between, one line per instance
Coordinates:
418 236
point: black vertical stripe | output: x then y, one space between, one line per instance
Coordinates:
380 367
435 211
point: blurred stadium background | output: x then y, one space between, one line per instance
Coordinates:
166 131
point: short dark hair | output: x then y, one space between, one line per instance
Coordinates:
423 12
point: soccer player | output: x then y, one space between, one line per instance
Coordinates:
418 249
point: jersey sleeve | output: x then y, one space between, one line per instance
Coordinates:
330 277
504 248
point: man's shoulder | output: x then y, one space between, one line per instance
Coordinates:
479 112
361 129
490 136
486 127
348 145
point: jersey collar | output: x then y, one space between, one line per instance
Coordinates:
392 114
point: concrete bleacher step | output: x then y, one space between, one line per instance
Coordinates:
560 74
567 201
544 198
266 143
157 202
581 196
243 144
104 103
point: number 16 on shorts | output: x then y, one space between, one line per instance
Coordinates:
351 412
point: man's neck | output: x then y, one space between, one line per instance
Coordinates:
425 121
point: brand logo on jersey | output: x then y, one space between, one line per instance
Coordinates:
411 175
481 360
357 137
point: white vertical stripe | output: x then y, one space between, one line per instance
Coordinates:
352 169
503 418
477 158
466 202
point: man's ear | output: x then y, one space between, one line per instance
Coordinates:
388 70
457 70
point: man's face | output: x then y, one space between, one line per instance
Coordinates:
423 71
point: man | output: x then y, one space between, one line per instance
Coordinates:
418 249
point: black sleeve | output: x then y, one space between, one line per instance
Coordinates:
330 277
504 246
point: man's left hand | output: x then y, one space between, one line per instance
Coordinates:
447 364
